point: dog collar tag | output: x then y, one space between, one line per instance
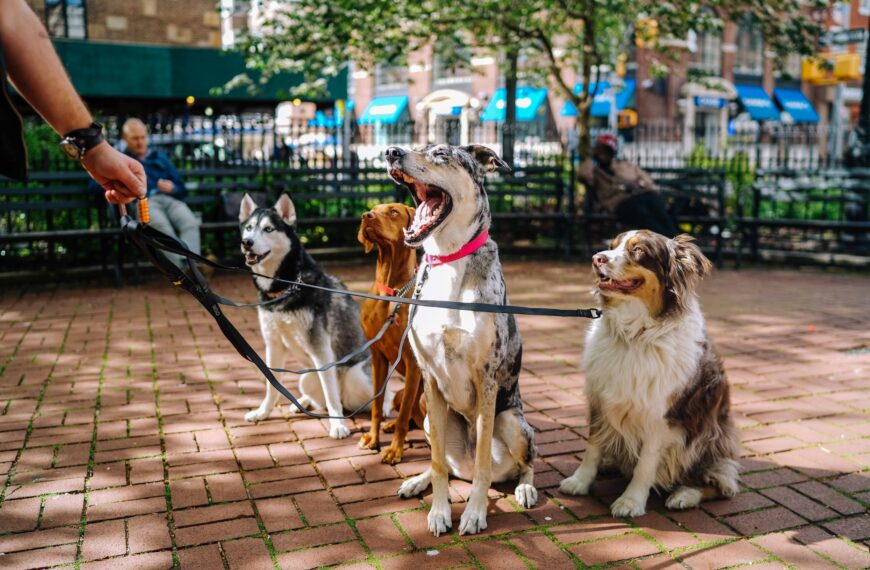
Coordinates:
465 250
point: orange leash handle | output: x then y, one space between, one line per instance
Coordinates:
144 213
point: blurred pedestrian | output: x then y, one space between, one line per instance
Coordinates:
28 59
625 189
166 190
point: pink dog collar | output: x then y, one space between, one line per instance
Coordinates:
467 249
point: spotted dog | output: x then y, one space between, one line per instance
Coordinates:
470 361
659 407
317 326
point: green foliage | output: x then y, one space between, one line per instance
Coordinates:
738 171
555 37
42 146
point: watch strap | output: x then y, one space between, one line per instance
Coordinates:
86 138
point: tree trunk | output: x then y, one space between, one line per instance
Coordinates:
508 135
864 114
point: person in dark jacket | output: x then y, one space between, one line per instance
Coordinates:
166 190
625 189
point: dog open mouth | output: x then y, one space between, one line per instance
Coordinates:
433 206
607 283
252 258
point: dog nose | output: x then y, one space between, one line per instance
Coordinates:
247 243
394 153
369 215
599 259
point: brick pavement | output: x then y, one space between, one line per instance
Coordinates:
124 445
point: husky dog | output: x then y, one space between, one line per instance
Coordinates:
317 326
470 361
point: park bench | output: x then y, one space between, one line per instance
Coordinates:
695 197
807 212
523 203
54 220
38 219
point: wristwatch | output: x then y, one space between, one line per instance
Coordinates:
76 143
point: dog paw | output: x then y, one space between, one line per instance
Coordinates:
526 495
414 486
684 498
627 507
728 488
338 431
390 426
392 455
573 485
439 520
257 415
369 440
305 402
473 520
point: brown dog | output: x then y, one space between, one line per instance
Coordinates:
382 226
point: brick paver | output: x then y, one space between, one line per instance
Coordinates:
123 443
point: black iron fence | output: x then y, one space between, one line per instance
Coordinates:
747 191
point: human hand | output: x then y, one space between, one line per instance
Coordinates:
166 186
122 177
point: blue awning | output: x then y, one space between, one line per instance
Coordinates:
601 99
529 104
757 103
384 110
797 105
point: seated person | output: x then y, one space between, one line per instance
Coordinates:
624 189
169 213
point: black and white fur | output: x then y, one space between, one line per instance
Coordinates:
317 326
470 361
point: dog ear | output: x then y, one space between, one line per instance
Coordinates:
486 157
361 237
285 208
688 266
247 207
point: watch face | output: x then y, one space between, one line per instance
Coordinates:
70 148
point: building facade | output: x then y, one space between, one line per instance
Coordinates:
155 22
721 79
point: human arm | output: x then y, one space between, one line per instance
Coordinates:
587 171
170 182
644 181
37 73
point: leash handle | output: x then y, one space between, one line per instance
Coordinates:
144 212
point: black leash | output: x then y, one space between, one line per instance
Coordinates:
153 242
196 284
350 359
143 233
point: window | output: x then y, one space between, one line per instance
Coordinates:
749 59
455 71
791 66
706 46
66 19
390 78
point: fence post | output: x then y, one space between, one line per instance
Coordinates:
570 204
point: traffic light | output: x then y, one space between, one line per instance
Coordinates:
831 68
646 32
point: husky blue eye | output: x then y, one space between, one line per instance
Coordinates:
269 230
248 228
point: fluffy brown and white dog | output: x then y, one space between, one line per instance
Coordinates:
659 407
